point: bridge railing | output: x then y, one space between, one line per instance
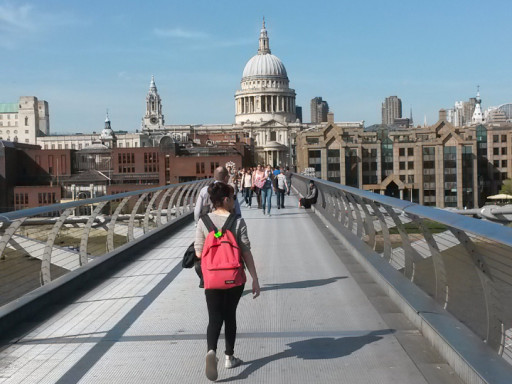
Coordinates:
465 264
42 244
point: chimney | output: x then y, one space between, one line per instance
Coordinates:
442 114
330 117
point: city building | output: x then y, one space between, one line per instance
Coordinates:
24 121
477 117
265 112
461 115
265 94
30 177
319 110
391 110
440 165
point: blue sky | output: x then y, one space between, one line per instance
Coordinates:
85 57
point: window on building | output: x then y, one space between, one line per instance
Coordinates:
401 152
503 138
495 151
26 121
410 165
401 165
504 163
315 161
410 179
197 168
495 138
27 131
504 150
496 163
410 151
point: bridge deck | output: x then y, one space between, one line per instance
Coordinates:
320 319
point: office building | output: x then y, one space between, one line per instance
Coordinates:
391 110
319 110
440 165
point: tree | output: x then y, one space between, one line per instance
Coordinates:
506 188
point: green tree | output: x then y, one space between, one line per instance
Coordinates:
506 188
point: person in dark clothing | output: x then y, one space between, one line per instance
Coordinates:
311 196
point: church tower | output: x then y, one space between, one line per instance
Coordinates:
107 136
153 119
477 115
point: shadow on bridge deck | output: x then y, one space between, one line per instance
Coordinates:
320 319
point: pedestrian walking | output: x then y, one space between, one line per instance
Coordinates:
222 303
258 181
247 187
266 191
282 188
288 175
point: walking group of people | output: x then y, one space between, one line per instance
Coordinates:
223 249
262 182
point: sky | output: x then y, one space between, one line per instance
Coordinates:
85 57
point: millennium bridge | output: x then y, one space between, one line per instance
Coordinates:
362 288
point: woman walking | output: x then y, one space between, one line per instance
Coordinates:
222 303
247 187
266 190
258 181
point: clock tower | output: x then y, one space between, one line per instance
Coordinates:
153 119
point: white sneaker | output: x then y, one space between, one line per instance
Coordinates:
211 365
232 362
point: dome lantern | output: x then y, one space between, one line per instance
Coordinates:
264 43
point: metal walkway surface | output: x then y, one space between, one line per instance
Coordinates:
320 319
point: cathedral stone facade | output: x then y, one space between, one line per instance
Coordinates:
264 111
265 117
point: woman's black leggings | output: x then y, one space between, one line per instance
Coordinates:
222 305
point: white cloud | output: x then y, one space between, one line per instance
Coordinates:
179 33
14 18
19 22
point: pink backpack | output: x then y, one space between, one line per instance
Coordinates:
221 261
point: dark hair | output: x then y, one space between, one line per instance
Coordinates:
218 192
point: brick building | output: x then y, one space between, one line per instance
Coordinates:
24 168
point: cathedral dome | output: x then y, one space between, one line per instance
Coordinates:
266 65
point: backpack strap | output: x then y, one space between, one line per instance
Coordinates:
229 222
209 223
